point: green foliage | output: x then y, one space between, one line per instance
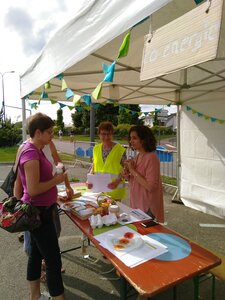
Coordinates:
122 130
86 118
10 135
107 112
127 115
59 122
77 119
162 130
155 121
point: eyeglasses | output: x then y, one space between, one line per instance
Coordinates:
105 133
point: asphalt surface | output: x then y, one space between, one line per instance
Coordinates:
95 278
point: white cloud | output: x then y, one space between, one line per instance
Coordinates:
25 27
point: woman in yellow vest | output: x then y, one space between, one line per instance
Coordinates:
108 158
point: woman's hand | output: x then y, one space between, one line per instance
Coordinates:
59 178
129 165
113 185
69 192
125 173
89 185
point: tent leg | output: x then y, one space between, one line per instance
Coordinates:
177 193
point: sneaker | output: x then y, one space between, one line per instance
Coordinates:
44 297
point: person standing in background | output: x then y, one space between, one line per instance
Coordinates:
143 173
108 157
60 135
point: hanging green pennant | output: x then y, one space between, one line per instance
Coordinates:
53 101
124 48
64 85
47 85
97 93
76 98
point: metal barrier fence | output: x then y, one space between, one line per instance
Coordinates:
84 152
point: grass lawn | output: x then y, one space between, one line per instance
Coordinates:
8 154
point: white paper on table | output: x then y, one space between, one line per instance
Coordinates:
132 258
100 182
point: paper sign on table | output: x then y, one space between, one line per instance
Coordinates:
100 182
132 257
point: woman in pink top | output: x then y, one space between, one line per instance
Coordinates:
143 173
39 188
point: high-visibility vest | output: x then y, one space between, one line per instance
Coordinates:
111 166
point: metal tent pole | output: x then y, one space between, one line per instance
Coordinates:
178 164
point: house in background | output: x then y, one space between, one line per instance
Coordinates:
148 120
172 122
165 120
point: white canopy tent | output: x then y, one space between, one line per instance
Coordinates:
94 36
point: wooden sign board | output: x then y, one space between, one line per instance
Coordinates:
189 40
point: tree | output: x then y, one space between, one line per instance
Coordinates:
59 122
107 112
128 115
77 119
9 134
156 121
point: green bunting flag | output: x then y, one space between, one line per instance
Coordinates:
70 107
206 117
124 48
97 93
64 85
76 98
53 101
47 85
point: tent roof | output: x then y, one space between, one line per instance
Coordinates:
90 39
83 44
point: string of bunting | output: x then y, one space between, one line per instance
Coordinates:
206 117
85 99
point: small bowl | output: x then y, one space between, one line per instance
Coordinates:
114 209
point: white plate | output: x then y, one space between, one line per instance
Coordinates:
126 242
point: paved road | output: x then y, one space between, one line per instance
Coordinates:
90 280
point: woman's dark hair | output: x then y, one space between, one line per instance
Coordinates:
39 121
146 136
107 126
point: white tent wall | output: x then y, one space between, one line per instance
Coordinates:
203 159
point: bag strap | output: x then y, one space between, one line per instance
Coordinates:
18 155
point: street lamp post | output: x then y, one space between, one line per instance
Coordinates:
3 96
